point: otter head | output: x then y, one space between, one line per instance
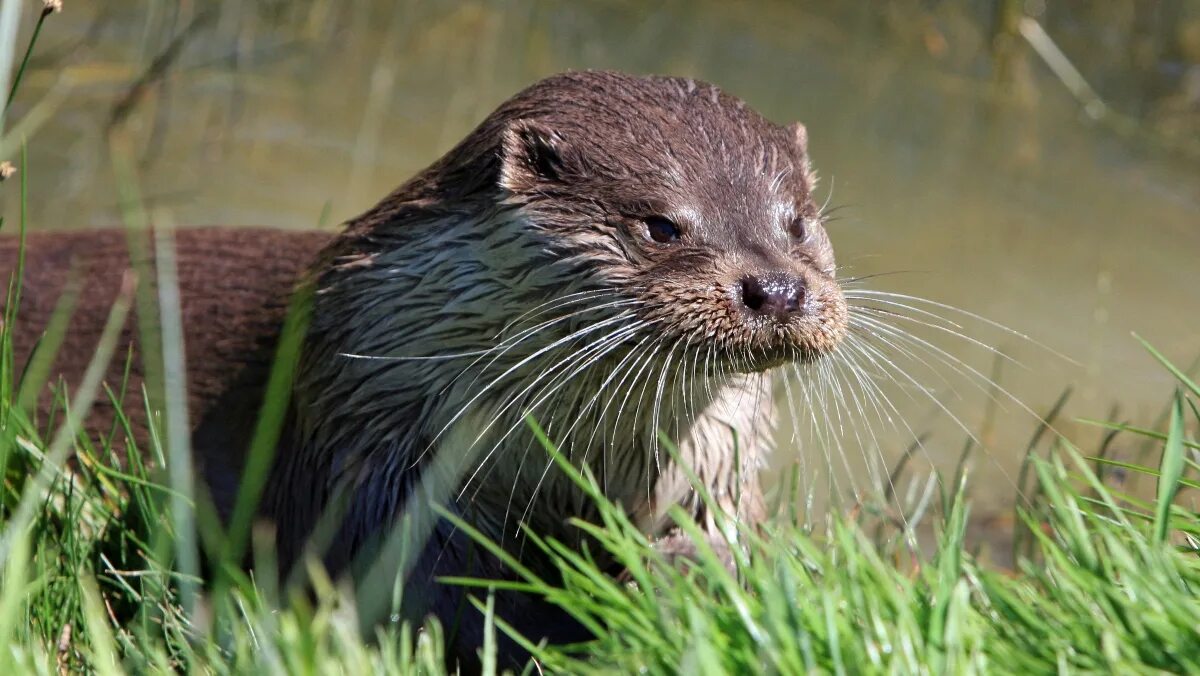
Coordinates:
685 199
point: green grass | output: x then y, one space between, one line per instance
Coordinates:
99 561
90 581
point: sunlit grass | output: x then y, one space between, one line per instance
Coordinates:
1110 586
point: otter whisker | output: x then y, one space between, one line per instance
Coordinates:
993 386
574 335
692 395
687 406
483 352
876 399
823 428
972 375
882 404
603 386
577 361
641 398
529 333
581 361
549 464
846 415
853 346
844 362
859 294
555 303
836 420
433 357
823 213
657 408
614 372
966 313
873 457
848 283
510 343
638 365
709 354
881 312
900 371
642 357
823 425
791 406
651 357
884 333
841 410
868 348
815 404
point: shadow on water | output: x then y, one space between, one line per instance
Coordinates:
953 153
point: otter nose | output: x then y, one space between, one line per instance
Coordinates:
777 294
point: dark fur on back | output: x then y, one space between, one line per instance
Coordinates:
234 287
521 273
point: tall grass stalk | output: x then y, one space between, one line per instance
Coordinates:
10 21
179 451
37 30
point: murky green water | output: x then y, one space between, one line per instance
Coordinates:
1008 205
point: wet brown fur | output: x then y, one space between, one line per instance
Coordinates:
234 286
549 196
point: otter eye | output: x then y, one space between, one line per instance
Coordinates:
662 230
799 228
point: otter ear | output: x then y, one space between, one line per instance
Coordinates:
531 154
799 135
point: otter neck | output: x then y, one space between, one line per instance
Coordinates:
471 326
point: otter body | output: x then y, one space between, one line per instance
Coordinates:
616 256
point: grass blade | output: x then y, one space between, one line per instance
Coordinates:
1175 370
179 449
1170 470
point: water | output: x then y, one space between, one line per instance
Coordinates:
1007 203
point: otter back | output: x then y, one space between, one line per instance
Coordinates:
234 286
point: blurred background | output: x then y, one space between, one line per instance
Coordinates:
1035 163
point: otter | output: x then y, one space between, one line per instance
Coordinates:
619 257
